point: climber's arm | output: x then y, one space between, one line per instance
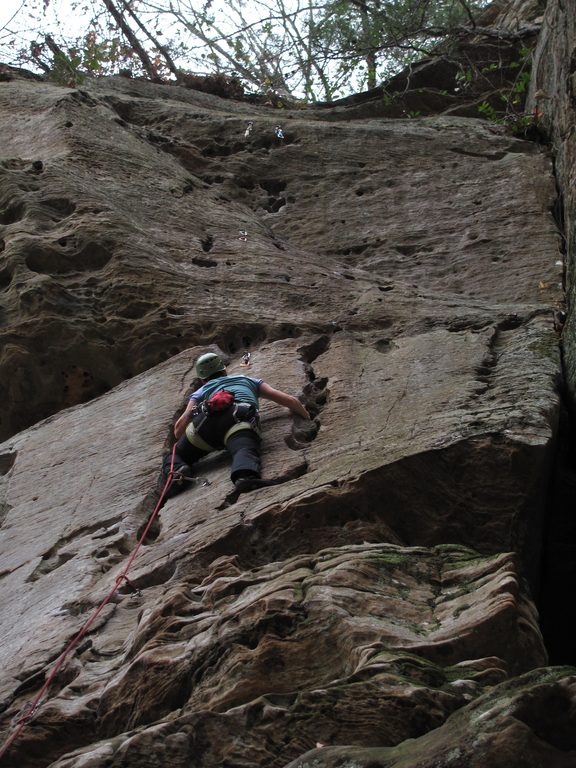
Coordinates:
182 422
288 401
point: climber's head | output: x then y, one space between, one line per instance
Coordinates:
208 365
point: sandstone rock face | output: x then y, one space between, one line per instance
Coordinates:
403 277
553 94
527 722
120 224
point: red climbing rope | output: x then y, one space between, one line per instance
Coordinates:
29 709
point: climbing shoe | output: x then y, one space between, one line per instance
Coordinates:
247 484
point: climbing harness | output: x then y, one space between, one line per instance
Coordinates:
279 132
29 709
209 430
243 235
249 127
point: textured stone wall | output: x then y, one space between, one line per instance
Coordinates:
376 606
553 93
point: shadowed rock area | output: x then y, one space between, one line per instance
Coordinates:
552 92
404 277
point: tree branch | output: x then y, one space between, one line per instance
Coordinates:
149 67
163 50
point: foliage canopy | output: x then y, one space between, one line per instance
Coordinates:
315 50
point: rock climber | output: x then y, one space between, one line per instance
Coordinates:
223 413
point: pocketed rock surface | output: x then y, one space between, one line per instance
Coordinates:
402 277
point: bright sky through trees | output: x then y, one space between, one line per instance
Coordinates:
23 20
310 49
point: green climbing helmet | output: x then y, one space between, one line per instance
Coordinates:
208 364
